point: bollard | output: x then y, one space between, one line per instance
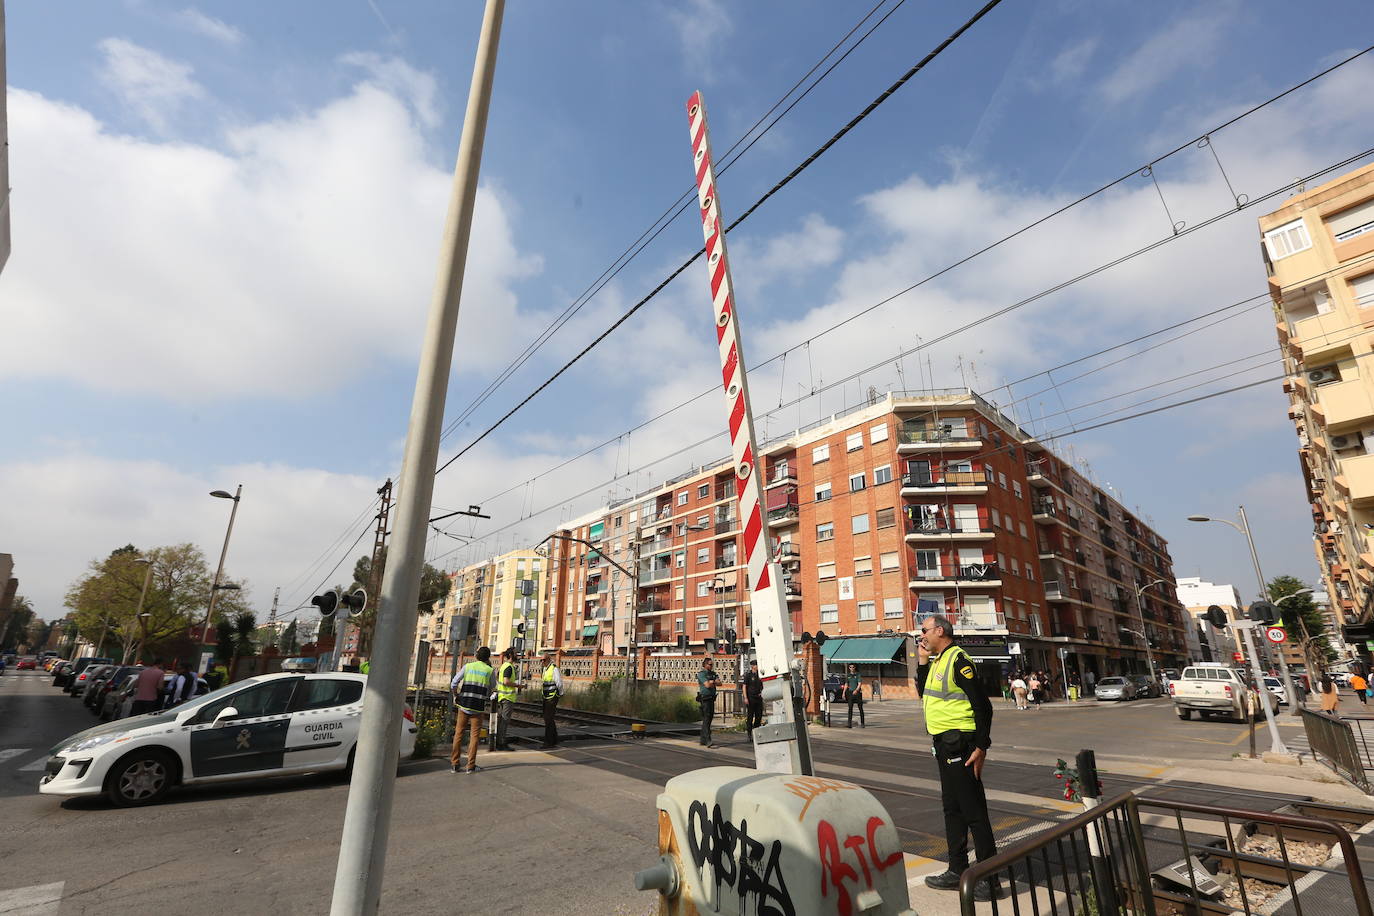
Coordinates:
735 841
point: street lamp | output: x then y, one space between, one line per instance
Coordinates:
143 627
1302 625
687 533
1140 608
215 588
1246 628
1244 528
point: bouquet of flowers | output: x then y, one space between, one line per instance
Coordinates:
1073 784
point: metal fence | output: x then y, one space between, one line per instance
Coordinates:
1342 744
1149 857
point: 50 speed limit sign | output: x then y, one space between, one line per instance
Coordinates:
1275 634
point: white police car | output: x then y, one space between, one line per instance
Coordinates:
274 725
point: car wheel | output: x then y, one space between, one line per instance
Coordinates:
1185 714
140 779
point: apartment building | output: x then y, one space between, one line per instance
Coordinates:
469 595
1218 644
1318 249
512 614
902 508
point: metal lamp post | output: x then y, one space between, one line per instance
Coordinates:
1306 639
215 587
1140 608
138 614
687 533
1244 528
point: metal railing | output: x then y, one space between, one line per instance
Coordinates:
947 479
1335 741
1151 857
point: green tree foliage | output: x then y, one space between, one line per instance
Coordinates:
289 643
245 622
15 622
224 639
1302 619
433 586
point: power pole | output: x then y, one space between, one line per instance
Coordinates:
374 573
367 819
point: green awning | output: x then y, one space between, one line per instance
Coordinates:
590 629
873 650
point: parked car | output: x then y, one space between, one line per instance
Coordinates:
26 663
61 673
1275 686
1217 689
122 706
95 677
1146 686
105 689
274 725
834 688
79 667
1115 688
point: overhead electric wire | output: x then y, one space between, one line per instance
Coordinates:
676 208
295 581
944 270
782 183
344 556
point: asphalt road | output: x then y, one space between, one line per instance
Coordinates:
535 832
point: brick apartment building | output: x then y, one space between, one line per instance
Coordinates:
908 506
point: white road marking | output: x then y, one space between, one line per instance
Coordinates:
8 752
35 900
35 766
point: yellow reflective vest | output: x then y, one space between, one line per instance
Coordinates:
505 672
474 688
946 705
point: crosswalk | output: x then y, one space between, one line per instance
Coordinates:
34 900
34 760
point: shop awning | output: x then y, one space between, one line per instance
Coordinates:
870 650
590 629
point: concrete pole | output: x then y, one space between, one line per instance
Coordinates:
1264 596
138 614
1276 743
219 572
367 819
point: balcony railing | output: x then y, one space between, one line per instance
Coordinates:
947 526
1120 605
792 589
980 572
789 549
724 525
1108 541
1114 571
1059 591
649 607
662 545
981 620
947 479
1044 507
782 513
933 436
650 576
1074 523
726 561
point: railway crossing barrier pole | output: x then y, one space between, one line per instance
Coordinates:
734 841
1099 847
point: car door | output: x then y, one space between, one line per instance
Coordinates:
325 715
254 740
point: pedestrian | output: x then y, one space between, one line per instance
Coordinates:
552 689
854 693
471 687
1073 688
753 698
365 667
183 686
1033 688
148 689
1018 690
1300 688
1331 697
505 698
1359 685
1090 681
959 719
877 689
706 699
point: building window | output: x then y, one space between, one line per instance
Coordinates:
677 625
820 453
1030 572
882 475
854 441
856 482
703 623
680 592
858 524
1002 480
682 498
928 564
863 566
825 532
825 571
892 607
996 518
1362 291
877 433
887 517
822 492
846 588
703 555
868 610
889 561
703 491
1290 238
1023 530
1015 567
1351 222
830 613
1016 488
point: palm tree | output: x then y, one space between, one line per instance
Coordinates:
245 622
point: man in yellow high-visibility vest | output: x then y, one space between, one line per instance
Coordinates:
505 698
958 717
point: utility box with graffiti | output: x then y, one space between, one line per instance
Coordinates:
739 842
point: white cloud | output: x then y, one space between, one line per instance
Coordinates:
1071 63
216 29
701 25
1186 42
154 87
395 76
298 255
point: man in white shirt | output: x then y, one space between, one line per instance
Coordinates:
183 686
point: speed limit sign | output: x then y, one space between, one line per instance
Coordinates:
1275 634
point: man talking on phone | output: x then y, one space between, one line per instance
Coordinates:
959 718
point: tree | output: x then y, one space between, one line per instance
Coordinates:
14 626
288 639
434 584
224 643
1303 620
245 622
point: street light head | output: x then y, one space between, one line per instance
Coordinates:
1199 518
221 494
142 560
228 586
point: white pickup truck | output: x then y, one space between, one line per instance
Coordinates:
1217 689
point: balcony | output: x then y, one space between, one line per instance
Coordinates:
653 637
953 482
726 525
979 621
917 440
1345 402
791 589
947 530
1114 571
1060 591
1357 478
781 474
650 576
661 545
1120 605
1037 474
726 561
1321 334
782 516
1108 541
789 550
1045 511
982 575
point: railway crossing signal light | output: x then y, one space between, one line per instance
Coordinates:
328 603
1216 616
355 602
1265 613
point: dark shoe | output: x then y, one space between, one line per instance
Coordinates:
945 881
474 769
863 725
987 889
457 770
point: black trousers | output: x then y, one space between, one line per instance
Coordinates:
754 716
964 801
550 729
708 712
854 698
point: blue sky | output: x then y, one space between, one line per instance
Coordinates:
226 218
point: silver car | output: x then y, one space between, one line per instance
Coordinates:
1115 688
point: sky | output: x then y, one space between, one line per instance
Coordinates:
227 218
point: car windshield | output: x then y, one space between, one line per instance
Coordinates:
1111 682
1272 682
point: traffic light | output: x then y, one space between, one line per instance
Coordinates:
355 602
328 603
1216 616
1265 613
526 587
730 635
520 628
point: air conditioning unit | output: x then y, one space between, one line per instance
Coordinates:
1346 442
1325 374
